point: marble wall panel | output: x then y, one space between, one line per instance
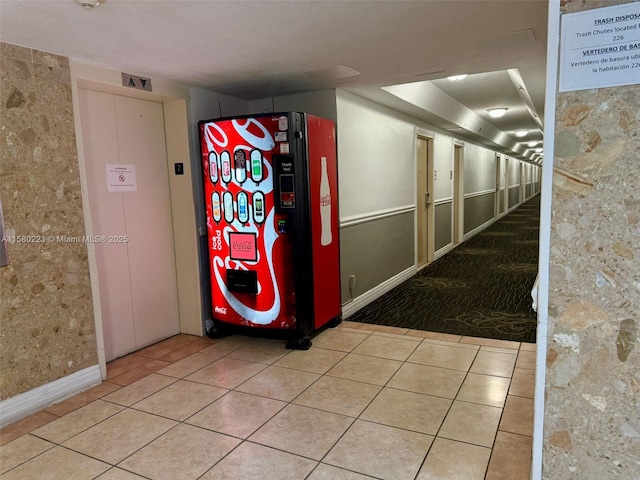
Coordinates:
592 407
47 326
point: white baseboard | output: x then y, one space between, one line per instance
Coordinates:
477 230
14 408
444 250
365 299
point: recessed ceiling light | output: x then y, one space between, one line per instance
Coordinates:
497 112
532 143
89 4
538 150
521 133
454 78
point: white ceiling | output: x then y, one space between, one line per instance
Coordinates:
257 49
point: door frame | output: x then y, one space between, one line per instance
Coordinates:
504 187
458 192
507 166
546 199
429 136
523 181
174 98
496 209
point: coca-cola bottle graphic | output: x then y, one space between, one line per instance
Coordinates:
215 206
258 207
227 199
256 166
226 166
325 205
240 161
243 214
213 167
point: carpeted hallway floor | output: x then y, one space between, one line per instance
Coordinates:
480 289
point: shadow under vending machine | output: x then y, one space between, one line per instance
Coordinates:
271 194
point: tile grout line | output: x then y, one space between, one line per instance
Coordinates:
418 343
183 422
124 407
491 449
368 404
354 419
495 438
246 440
321 375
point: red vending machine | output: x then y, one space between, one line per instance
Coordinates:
271 186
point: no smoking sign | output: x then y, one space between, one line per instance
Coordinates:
121 178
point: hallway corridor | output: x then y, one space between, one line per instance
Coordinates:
365 402
482 288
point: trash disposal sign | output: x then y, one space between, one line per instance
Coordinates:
600 48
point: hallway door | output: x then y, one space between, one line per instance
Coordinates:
423 201
502 183
523 181
458 196
136 260
497 206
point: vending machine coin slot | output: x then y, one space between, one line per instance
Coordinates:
287 195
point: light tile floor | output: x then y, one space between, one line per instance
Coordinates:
364 402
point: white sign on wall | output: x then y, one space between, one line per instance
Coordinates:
121 178
600 48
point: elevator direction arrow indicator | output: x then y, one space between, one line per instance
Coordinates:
134 81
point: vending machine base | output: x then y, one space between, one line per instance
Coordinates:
301 343
295 340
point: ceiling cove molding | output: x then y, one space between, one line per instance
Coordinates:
518 84
430 98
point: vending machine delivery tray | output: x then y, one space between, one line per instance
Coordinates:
242 281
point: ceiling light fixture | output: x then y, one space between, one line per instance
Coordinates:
538 150
497 112
454 78
532 143
89 4
521 133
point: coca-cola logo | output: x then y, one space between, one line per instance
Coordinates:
326 200
243 246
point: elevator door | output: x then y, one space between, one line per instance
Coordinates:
135 263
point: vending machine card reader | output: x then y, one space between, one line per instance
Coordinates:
285 183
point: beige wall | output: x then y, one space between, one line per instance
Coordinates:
592 407
46 314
